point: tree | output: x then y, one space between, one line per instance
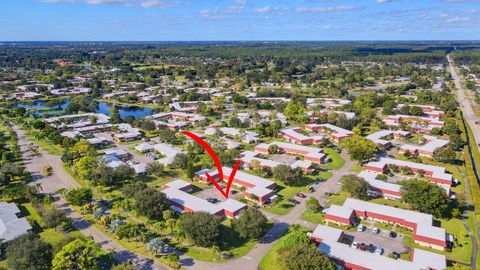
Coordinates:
115 117
295 111
29 252
123 266
201 228
54 217
85 166
251 223
273 149
304 256
287 175
180 161
313 204
360 148
155 168
355 185
79 196
150 203
425 197
79 255
444 154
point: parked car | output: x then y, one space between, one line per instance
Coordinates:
212 200
392 234
362 247
327 193
379 251
301 195
371 248
376 230
292 200
233 192
361 228
395 255
355 245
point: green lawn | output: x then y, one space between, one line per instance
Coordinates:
336 160
270 260
462 251
313 216
47 145
285 193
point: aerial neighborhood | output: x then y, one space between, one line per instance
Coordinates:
343 162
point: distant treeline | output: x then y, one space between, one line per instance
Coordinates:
466 57
41 55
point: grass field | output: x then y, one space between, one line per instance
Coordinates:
336 160
313 216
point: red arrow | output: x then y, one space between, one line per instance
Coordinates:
218 164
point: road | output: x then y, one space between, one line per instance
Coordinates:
62 179
465 105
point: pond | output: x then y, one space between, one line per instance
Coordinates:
38 109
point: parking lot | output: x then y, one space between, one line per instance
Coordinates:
212 192
381 239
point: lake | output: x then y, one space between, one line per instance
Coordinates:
103 107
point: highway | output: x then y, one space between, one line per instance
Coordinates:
465 105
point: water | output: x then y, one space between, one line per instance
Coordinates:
103 107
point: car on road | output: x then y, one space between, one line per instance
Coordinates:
392 234
361 228
379 251
362 247
301 195
375 230
233 192
327 193
355 245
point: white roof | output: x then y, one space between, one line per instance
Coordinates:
339 211
178 184
142 147
332 248
140 168
370 178
249 178
169 151
11 226
424 221
231 205
192 202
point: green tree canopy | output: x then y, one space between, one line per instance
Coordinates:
29 252
201 228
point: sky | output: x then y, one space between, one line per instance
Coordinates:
195 20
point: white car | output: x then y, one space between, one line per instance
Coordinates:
379 251
361 228
375 230
355 245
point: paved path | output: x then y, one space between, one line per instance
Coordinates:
62 179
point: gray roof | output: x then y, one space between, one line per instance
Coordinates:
11 226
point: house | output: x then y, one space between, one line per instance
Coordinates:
257 189
436 174
308 153
333 132
331 242
144 147
424 233
11 226
294 135
382 137
416 123
248 159
168 151
178 196
380 188
426 150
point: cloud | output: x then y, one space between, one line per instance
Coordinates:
262 10
98 2
324 9
158 4
383 1
241 2
457 20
